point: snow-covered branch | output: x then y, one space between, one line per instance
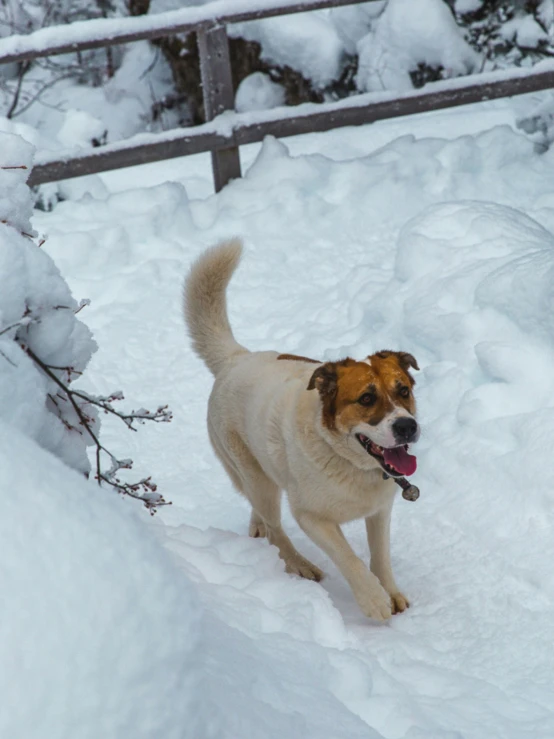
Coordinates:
145 490
44 347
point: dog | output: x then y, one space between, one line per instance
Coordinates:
330 434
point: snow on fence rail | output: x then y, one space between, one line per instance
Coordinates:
101 32
231 130
226 131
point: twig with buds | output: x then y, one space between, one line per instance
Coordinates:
144 490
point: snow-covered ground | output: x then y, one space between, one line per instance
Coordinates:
432 234
101 635
438 243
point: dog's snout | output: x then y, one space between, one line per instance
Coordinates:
405 429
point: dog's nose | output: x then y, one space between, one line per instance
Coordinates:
404 429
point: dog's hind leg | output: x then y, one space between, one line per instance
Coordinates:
257 527
265 498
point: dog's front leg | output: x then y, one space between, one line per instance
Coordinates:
372 598
378 538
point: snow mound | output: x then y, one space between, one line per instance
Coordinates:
467 6
101 636
407 34
283 664
457 258
474 299
258 92
37 312
353 22
525 32
80 129
307 42
326 275
16 207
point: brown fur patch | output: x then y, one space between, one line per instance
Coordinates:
353 382
391 368
325 379
404 359
296 358
342 384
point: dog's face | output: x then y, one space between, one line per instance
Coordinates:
372 402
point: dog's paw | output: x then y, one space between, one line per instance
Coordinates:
257 530
376 603
399 602
304 568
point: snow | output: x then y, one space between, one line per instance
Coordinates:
307 42
467 6
101 634
80 129
37 313
258 92
525 31
62 37
70 115
545 13
270 677
377 238
409 33
353 22
16 207
229 122
433 234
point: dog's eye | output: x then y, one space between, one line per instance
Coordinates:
367 399
404 392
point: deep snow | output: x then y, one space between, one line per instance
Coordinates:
409 33
37 314
439 246
101 634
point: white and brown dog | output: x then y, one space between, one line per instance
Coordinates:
324 432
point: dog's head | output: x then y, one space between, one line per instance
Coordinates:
372 402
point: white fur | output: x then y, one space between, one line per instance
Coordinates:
383 434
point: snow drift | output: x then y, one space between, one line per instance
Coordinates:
101 634
407 34
348 257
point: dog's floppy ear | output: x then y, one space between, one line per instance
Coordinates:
406 361
324 379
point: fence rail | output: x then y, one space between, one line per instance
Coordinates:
101 32
224 134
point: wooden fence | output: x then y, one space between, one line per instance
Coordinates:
224 134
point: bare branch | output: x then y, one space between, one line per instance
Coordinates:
144 490
161 415
41 91
13 364
24 68
83 303
23 322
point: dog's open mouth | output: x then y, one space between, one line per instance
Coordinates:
396 462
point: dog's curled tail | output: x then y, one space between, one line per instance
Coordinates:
205 304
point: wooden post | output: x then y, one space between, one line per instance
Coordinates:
217 89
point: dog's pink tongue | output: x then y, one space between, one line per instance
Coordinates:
401 460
